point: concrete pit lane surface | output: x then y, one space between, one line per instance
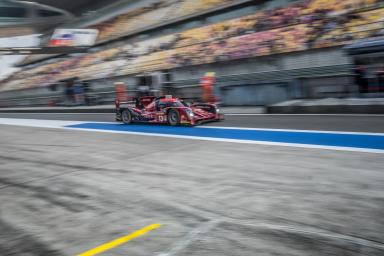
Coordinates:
351 123
74 192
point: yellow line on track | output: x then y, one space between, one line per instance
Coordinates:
120 241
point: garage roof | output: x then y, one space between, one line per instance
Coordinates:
76 7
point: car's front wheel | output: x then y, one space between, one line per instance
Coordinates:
173 117
126 116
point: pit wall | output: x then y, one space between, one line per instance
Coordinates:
255 81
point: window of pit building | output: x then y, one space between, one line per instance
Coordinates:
47 13
13 12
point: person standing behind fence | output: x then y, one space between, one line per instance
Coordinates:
121 93
207 84
69 94
88 100
78 90
361 79
380 77
157 83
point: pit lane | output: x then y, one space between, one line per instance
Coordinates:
64 192
351 123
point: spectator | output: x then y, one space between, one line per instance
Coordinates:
78 91
380 77
361 79
69 98
88 98
207 84
143 86
121 92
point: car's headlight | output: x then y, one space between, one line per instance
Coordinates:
217 110
189 113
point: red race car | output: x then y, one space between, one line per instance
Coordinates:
166 110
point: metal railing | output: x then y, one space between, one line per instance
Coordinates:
188 88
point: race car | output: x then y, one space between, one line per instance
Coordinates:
166 110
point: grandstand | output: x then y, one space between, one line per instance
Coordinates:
273 46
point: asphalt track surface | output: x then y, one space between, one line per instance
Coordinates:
64 192
352 123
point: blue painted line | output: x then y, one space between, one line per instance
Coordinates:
308 138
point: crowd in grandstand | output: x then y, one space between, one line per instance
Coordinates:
301 26
158 12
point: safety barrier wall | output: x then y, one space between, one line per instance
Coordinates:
263 87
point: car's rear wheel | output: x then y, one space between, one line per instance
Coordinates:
173 117
126 116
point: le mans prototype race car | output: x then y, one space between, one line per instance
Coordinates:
166 110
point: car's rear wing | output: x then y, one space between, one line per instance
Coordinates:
130 103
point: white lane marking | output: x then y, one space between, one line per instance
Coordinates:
257 114
238 141
38 122
226 114
58 113
192 236
226 127
58 124
291 130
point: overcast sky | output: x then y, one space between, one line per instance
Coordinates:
7 62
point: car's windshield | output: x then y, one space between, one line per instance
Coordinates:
178 104
168 104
